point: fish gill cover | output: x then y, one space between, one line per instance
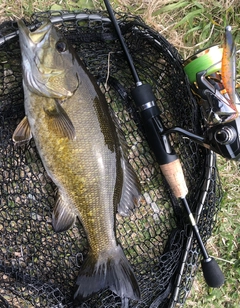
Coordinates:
39 267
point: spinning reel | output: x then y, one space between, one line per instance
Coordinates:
212 75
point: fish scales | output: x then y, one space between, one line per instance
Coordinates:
82 152
84 180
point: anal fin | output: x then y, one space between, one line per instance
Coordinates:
63 216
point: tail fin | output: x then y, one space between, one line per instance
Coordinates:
111 270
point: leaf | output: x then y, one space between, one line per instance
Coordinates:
199 5
205 31
171 7
195 29
56 7
84 4
189 17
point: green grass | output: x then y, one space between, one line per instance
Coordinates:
189 25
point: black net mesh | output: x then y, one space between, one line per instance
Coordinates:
38 267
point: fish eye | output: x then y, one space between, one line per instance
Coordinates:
61 46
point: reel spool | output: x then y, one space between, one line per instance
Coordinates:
209 58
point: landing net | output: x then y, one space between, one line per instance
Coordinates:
38 268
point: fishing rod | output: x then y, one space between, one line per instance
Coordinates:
169 162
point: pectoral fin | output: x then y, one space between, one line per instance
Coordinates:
60 121
63 216
22 133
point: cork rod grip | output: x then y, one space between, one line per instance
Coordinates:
174 175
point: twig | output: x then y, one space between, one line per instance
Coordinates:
227 261
108 69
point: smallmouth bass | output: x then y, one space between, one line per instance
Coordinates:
83 153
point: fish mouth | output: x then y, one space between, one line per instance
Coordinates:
39 66
30 39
